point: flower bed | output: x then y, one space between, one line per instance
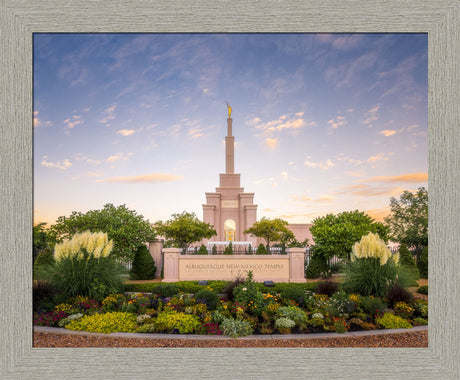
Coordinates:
247 311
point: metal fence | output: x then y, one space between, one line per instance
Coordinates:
236 250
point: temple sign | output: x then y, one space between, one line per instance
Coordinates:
229 109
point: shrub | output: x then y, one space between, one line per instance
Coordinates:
143 267
327 287
296 294
50 319
209 297
420 321
203 250
174 322
228 290
423 290
422 263
250 251
295 314
391 321
317 265
284 325
397 293
403 310
84 266
165 290
228 249
105 323
214 250
261 250
406 260
44 295
373 306
64 322
235 328
248 295
42 264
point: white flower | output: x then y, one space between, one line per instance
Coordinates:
244 289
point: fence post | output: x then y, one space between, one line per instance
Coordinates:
171 264
296 264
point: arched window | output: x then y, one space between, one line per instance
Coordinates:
229 228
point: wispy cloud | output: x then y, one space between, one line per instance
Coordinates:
39 123
71 122
412 177
380 157
337 122
388 132
271 143
365 190
64 165
108 114
126 132
321 165
305 198
117 157
148 178
371 116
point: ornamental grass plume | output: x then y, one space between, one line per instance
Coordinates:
371 245
96 244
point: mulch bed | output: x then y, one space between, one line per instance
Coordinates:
406 339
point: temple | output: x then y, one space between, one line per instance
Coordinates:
229 209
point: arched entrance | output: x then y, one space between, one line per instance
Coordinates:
230 229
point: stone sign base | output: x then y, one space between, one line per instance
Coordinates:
277 268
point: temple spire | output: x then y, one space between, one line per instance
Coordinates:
229 149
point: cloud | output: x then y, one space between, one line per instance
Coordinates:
322 165
271 143
371 116
117 157
108 114
388 132
148 178
337 122
378 214
305 198
71 122
379 157
284 176
365 190
126 132
39 123
349 160
58 165
412 177
195 132
300 198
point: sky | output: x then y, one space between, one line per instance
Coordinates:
323 123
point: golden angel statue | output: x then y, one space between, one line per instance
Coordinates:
229 110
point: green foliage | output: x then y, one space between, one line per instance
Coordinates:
165 290
248 294
228 249
173 321
293 293
203 250
184 229
275 230
261 250
41 239
317 266
250 251
209 297
373 305
127 229
143 267
423 290
391 321
214 250
105 323
284 324
408 220
43 263
406 260
44 295
422 263
335 234
420 321
236 328
294 313
367 276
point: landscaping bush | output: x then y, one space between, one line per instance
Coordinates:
235 328
317 265
228 290
327 287
293 293
397 293
43 263
143 267
85 267
391 321
248 295
261 250
284 325
250 251
50 319
295 314
174 322
105 323
165 290
44 295
420 321
214 250
203 250
423 290
209 297
403 310
373 305
407 261
422 263
228 249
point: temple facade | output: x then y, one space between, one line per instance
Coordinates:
229 209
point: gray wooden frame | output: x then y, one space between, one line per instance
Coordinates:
20 18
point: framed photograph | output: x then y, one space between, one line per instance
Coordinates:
20 22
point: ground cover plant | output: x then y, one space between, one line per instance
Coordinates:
252 309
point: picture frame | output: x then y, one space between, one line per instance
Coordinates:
20 19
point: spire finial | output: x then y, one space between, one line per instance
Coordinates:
229 109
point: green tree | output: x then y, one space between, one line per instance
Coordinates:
43 262
272 231
228 249
127 229
261 250
408 221
144 267
41 239
203 250
422 263
184 229
336 234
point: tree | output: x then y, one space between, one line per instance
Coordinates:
271 230
422 263
184 229
43 262
406 260
143 265
408 221
336 234
127 229
41 239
